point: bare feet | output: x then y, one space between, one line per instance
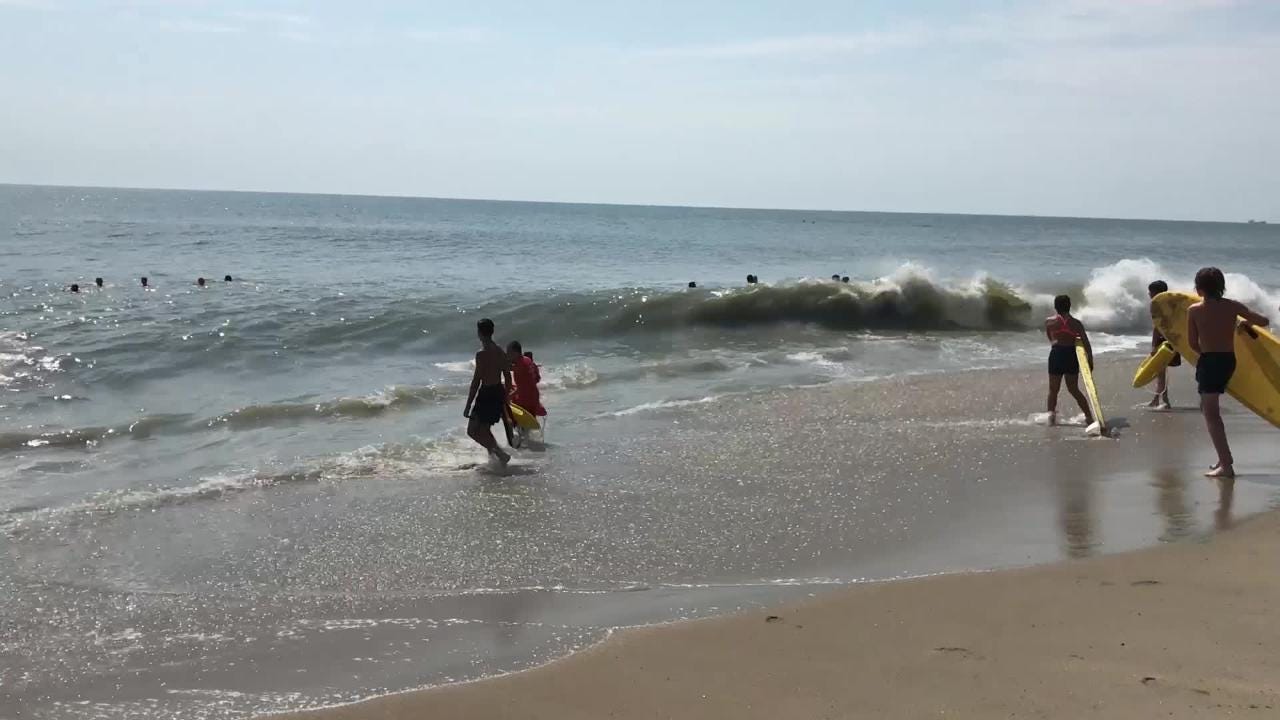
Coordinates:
1053 419
1222 471
502 457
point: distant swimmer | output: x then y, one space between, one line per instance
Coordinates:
692 285
844 279
1063 330
835 278
227 278
1211 332
1161 400
752 280
144 284
490 386
75 288
98 282
200 282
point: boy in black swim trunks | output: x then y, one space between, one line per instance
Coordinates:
1161 400
490 386
1211 331
1063 330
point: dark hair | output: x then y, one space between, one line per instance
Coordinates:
98 281
693 284
1157 287
144 280
836 277
844 279
485 327
1210 282
199 281
75 287
514 346
226 279
1062 303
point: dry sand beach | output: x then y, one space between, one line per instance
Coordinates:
1187 629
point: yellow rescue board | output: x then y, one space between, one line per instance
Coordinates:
1090 389
1154 365
524 419
1256 383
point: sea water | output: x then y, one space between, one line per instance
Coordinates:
176 456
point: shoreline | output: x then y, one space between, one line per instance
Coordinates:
1072 638
669 516
1088 524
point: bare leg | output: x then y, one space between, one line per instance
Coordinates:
1161 399
1073 387
1055 384
481 433
1210 406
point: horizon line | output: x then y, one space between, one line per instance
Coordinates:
628 205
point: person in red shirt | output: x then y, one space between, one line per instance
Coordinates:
527 376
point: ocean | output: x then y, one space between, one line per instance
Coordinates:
257 496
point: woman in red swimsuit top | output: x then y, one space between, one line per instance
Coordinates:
1063 331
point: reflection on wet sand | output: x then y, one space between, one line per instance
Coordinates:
1171 500
1075 512
1074 490
1222 519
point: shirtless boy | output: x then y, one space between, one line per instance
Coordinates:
487 400
1211 331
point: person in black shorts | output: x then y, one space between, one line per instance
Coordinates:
1063 330
1161 400
487 399
1211 332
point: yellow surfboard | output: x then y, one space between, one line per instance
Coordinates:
524 419
1256 383
1153 365
1090 389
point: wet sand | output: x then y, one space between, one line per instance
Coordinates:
1183 630
312 594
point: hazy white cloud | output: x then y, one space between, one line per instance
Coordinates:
1100 107
189 25
1060 22
461 35
272 18
800 45
29 4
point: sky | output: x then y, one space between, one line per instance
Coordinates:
1100 108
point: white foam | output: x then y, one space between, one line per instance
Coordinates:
113 501
578 375
1043 419
812 358
1116 295
1108 343
20 360
461 366
663 405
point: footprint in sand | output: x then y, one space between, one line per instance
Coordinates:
961 651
